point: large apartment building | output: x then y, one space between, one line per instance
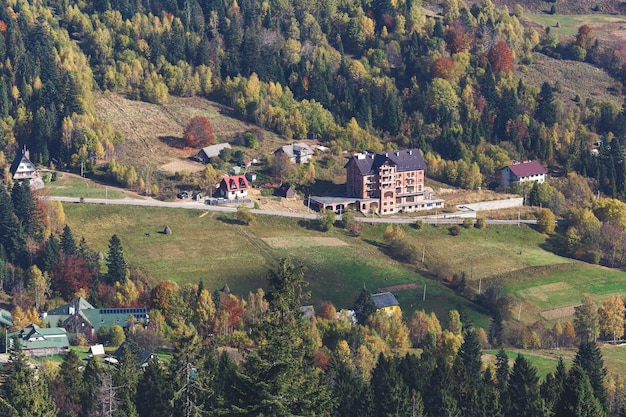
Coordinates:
389 182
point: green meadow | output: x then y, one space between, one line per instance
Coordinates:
216 249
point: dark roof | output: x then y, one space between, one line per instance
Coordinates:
141 355
385 299
22 155
525 169
406 160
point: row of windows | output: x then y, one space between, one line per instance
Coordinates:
123 311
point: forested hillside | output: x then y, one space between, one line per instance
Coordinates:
446 78
372 75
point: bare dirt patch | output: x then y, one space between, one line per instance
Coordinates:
308 242
178 165
454 196
292 205
400 288
558 313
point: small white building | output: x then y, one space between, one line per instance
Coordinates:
234 187
523 172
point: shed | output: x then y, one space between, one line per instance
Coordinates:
285 191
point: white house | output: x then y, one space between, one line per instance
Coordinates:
522 172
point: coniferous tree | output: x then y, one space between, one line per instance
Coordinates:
523 396
552 387
154 391
125 379
68 244
51 254
116 262
26 393
279 377
68 388
364 306
577 398
352 394
589 358
24 208
390 395
12 238
546 107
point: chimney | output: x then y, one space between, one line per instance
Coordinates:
410 151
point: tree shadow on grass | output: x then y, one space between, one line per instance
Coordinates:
230 220
173 141
309 224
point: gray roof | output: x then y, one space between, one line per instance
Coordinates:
297 149
385 299
141 355
214 150
406 160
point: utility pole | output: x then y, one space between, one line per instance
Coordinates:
424 296
423 252
519 313
480 283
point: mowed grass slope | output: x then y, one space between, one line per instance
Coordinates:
212 247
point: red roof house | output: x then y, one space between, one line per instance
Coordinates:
234 187
522 172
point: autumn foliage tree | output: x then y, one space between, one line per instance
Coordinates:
198 132
501 58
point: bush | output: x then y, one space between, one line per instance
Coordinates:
244 216
326 220
481 223
419 224
455 230
468 223
546 221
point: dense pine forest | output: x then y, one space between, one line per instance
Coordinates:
356 75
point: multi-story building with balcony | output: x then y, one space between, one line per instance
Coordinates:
390 182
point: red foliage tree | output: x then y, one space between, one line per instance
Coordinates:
585 37
328 312
458 39
69 275
501 57
446 68
199 132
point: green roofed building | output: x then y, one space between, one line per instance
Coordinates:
6 320
80 317
37 341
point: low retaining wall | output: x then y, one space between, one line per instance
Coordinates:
493 205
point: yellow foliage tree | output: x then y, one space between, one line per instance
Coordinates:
611 317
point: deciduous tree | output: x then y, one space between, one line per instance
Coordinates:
199 132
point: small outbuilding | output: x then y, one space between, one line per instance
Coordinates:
285 191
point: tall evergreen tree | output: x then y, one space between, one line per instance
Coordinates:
68 244
51 254
26 393
523 396
279 378
116 262
589 358
577 397
364 306
552 387
154 391
390 395
12 238
68 387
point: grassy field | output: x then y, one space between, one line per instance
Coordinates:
546 360
212 247
603 25
68 185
